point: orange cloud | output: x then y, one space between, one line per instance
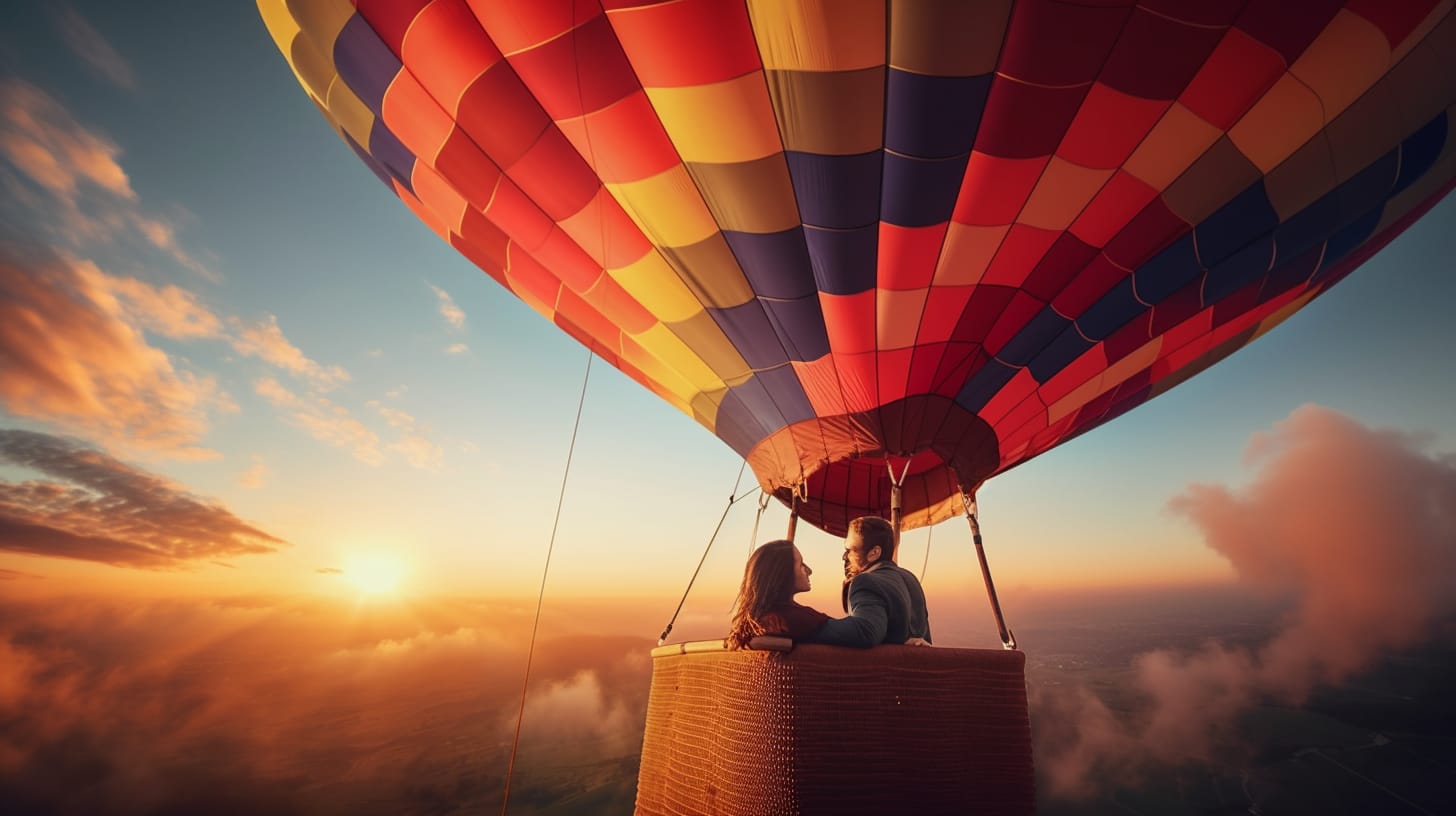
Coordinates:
72 354
101 509
1353 527
265 341
80 189
41 139
166 310
416 448
323 420
256 476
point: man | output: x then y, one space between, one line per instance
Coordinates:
884 600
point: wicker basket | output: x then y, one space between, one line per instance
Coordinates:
822 729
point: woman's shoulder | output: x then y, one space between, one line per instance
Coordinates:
794 617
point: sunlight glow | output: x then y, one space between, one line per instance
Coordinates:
375 574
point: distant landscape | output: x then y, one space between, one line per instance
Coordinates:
1383 741
130 709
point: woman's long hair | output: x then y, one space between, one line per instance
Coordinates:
768 579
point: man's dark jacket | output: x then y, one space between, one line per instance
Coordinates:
885 604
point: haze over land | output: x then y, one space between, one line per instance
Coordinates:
245 705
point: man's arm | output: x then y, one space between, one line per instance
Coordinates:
866 625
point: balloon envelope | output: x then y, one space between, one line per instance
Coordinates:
851 237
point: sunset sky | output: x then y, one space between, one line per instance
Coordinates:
279 472
231 362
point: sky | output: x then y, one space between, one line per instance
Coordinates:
236 364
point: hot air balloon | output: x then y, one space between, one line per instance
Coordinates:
885 249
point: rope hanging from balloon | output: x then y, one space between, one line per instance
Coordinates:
1008 638
541 595
732 500
929 531
763 497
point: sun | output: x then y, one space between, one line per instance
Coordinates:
375 574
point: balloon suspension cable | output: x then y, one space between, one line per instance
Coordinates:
732 500
763 497
540 597
793 514
1008 638
897 502
929 531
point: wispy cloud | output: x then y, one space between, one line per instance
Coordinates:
256 476
72 354
74 339
74 342
416 448
456 348
453 314
329 571
41 139
97 508
77 188
265 341
323 420
168 310
99 55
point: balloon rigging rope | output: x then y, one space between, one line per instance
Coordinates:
536 625
763 498
929 531
732 500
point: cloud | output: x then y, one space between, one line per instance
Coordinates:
1356 524
256 476
265 341
75 352
448 310
416 448
167 310
456 348
1353 526
43 141
419 452
323 420
394 416
72 351
290 706
329 571
69 180
100 509
99 55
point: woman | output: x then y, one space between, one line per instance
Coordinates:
776 572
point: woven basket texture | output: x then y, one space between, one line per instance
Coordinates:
821 729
